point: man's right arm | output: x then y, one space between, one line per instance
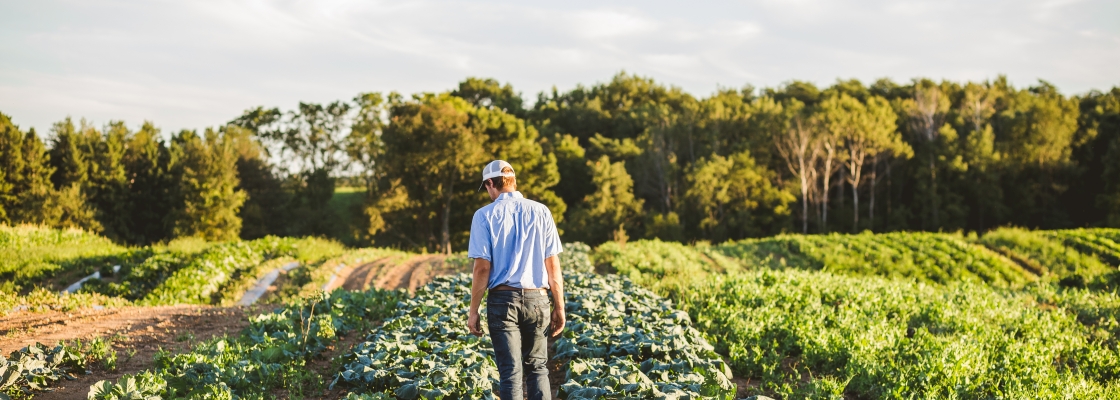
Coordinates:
478 289
556 286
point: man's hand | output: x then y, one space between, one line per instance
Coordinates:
557 322
474 323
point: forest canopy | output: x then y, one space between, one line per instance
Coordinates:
628 158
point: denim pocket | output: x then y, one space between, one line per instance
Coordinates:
541 310
498 313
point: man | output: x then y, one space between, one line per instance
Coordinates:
514 246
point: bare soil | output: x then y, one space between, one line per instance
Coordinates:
394 273
137 333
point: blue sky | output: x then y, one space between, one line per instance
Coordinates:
198 63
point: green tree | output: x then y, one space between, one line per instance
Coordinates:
610 210
927 112
866 132
736 198
571 164
430 152
1036 130
147 162
207 195
490 94
980 154
70 157
107 183
25 186
800 148
507 137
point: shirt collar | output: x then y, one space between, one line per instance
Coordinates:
509 195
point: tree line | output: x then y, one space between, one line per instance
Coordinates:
628 158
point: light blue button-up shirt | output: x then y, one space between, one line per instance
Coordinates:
516 235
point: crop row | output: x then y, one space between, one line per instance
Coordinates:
200 277
272 353
37 367
930 257
622 342
33 255
815 334
625 342
1102 243
1045 253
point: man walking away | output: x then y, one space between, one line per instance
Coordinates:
514 246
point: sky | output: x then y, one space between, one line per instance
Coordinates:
198 63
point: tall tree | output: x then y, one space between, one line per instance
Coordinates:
926 113
432 150
488 93
208 198
976 109
800 148
147 162
866 130
108 180
70 158
611 209
735 197
25 186
1037 131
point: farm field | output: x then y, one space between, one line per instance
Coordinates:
1012 313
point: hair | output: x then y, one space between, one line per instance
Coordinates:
500 182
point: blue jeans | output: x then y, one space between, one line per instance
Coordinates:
517 323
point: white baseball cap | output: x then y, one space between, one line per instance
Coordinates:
494 170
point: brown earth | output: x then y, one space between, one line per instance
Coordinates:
136 333
393 273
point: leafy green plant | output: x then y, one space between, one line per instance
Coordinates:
576 258
662 264
271 353
425 350
1039 252
624 341
143 386
35 254
36 367
800 332
922 256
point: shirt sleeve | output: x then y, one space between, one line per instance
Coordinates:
479 246
552 245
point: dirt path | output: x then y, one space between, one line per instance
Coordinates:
400 275
359 277
141 331
393 273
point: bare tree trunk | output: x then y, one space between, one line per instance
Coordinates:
890 189
933 190
445 226
826 177
874 180
927 115
800 148
856 159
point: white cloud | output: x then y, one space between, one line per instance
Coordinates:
198 63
